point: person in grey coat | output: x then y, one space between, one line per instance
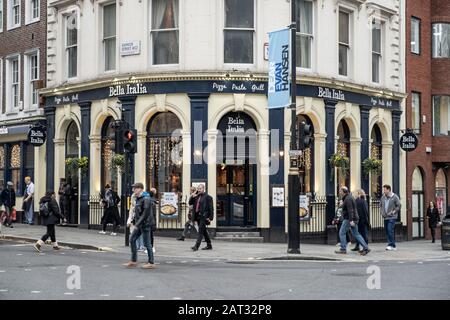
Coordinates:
390 208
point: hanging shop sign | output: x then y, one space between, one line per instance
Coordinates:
169 205
304 212
37 136
409 141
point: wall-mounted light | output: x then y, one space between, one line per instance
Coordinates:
281 153
197 153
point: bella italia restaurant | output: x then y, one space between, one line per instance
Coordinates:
218 130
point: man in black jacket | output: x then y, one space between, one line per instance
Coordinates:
203 213
8 198
351 219
143 221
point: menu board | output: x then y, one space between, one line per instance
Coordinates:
169 205
278 196
303 210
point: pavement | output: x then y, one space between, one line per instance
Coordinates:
75 238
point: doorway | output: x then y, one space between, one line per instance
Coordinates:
417 205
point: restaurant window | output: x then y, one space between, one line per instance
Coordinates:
441 40
441 191
344 42
72 141
71 45
376 51
239 31
109 36
14 166
376 153
343 149
29 160
441 115
164 153
306 160
165 31
415 112
108 176
304 18
2 167
415 35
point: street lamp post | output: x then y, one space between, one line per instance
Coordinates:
293 179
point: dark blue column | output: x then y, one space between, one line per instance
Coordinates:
85 108
364 112
128 115
50 148
396 151
199 120
277 215
330 108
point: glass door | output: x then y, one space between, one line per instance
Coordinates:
417 215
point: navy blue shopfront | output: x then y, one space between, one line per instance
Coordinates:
237 179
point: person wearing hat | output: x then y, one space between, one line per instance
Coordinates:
8 198
143 221
110 200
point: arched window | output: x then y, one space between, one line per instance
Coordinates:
417 204
72 136
165 153
441 191
376 153
343 149
107 174
306 163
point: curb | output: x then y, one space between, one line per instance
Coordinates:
64 244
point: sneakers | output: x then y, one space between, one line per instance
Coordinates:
390 248
38 245
153 249
102 232
364 252
130 264
113 234
340 251
148 266
55 246
355 249
180 239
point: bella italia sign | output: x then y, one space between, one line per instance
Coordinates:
37 136
409 141
121 90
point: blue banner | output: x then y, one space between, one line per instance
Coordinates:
279 87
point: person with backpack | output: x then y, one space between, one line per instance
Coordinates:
350 221
110 200
8 198
51 215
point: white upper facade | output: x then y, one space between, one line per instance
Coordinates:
356 41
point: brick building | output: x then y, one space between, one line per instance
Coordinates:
428 110
23 39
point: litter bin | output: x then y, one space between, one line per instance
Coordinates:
445 233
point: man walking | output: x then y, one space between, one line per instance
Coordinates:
8 198
190 224
389 208
143 220
203 214
28 201
350 221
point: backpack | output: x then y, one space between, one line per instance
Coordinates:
109 199
43 209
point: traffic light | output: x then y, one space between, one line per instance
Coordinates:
130 140
115 137
304 135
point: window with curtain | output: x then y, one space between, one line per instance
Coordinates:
376 153
239 31
415 111
441 40
376 51
343 149
14 165
415 35
304 18
2 167
164 153
344 42
108 138
165 31
441 115
109 36
71 45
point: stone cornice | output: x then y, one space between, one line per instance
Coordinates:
217 76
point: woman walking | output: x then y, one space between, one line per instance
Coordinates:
363 212
49 211
433 219
110 201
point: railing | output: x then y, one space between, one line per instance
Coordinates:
315 229
377 232
95 210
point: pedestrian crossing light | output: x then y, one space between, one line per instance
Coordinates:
305 136
129 140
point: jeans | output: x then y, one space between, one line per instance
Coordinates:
140 242
362 228
50 233
203 232
389 226
8 215
137 232
29 214
342 234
